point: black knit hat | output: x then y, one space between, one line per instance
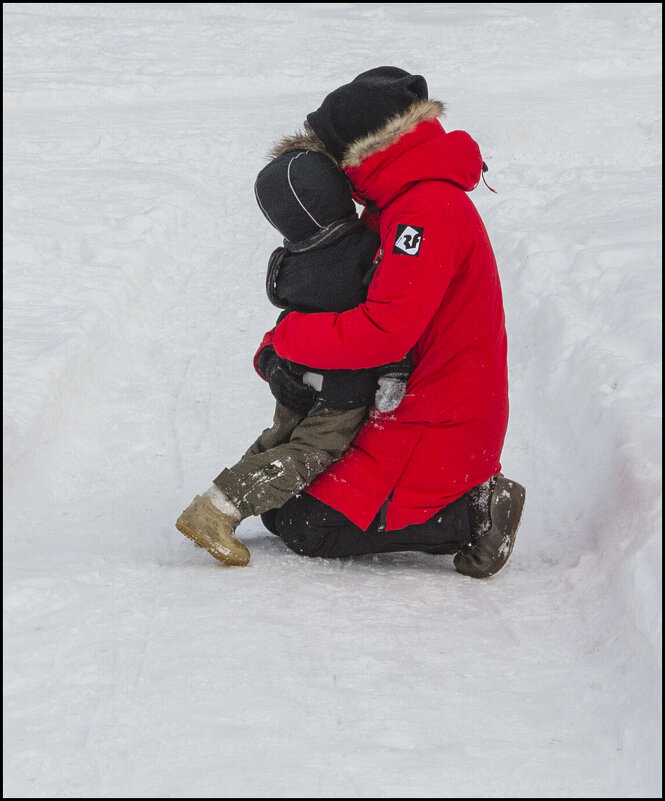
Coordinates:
301 193
364 105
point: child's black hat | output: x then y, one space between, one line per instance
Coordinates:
302 192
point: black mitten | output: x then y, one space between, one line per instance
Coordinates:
287 388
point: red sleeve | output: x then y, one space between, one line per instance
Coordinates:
267 340
404 294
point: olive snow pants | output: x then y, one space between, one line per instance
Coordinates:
288 457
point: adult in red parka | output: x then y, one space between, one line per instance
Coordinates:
427 476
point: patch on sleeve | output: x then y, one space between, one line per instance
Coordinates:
408 239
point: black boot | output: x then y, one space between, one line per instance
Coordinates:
478 504
494 528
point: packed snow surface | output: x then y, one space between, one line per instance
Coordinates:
134 262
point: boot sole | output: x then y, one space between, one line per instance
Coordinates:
214 548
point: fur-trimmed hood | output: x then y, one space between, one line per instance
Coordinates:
360 149
390 164
394 129
420 150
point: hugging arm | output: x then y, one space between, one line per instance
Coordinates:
405 292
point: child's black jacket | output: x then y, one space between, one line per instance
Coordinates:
305 195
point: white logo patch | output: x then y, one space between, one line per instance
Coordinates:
408 239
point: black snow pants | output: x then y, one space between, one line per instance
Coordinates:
311 528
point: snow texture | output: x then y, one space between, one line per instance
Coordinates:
134 264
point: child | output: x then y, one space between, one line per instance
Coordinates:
325 265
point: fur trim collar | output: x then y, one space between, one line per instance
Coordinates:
368 145
393 130
301 140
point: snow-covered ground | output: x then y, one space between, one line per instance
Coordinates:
137 666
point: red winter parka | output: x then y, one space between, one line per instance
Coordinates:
435 292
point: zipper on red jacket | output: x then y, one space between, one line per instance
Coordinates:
383 513
371 273
367 280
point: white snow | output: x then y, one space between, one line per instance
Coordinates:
138 666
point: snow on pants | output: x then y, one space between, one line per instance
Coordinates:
311 528
288 457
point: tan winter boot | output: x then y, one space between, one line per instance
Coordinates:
209 527
488 553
